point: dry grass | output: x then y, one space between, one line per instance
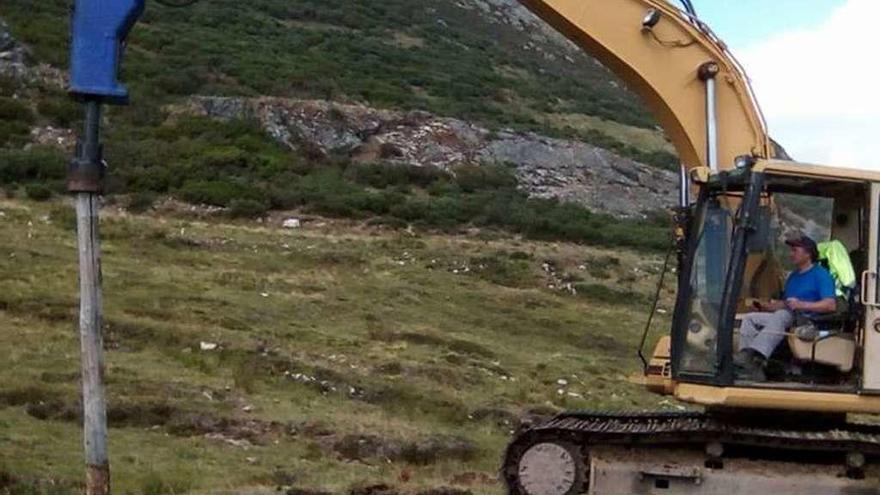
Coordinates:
325 333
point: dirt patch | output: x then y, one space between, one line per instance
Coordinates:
471 478
13 484
444 490
375 489
254 431
174 420
49 309
129 336
49 377
429 451
500 417
55 410
426 339
443 375
22 396
401 396
304 491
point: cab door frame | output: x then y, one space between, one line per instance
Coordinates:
870 383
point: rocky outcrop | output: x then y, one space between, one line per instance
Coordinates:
546 167
17 64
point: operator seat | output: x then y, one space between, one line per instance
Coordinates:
835 344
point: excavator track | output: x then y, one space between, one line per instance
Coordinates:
554 458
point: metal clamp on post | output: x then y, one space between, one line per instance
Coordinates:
87 170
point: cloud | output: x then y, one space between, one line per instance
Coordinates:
819 87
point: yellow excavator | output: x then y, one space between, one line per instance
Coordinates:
790 433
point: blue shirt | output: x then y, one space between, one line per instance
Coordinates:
812 285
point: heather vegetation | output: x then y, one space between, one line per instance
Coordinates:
251 174
432 55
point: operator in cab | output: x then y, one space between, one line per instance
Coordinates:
809 291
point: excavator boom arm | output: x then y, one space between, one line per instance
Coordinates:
668 57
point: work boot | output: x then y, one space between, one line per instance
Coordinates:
750 365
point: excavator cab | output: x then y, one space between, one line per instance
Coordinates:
732 257
789 433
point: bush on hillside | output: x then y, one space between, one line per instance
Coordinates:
382 175
473 178
218 192
37 164
14 133
12 109
61 111
247 208
141 202
38 192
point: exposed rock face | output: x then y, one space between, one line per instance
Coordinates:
546 167
578 172
16 63
10 51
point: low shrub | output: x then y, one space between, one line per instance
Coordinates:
473 178
14 133
218 192
38 192
140 202
247 208
36 164
61 111
12 109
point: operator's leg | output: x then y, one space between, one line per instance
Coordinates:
751 325
774 326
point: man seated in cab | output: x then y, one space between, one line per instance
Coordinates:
809 291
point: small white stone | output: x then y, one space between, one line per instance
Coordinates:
208 346
562 381
292 223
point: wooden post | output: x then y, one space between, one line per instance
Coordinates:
85 181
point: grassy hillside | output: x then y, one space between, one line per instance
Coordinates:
346 356
433 55
234 165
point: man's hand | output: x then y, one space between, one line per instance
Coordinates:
794 303
771 306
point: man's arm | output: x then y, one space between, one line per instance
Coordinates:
827 305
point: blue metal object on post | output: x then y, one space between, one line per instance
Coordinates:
99 28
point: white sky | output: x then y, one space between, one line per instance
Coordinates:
818 86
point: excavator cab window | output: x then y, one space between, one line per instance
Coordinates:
736 256
711 233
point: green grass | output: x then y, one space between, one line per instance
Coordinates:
408 337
